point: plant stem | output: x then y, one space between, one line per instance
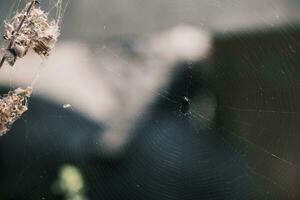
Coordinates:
18 29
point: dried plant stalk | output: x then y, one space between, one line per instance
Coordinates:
12 106
30 29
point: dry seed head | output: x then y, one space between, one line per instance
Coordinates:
37 33
12 106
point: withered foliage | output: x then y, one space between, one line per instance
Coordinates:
30 28
12 106
38 32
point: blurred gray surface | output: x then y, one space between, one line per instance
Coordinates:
130 17
100 18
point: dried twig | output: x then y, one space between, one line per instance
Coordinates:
18 29
29 29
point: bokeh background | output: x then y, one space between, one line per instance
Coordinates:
159 100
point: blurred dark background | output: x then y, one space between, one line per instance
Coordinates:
208 110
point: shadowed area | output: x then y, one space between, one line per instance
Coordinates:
170 159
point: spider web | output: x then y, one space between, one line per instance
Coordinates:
245 117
